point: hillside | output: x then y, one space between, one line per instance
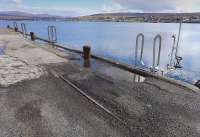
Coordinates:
16 15
144 17
108 17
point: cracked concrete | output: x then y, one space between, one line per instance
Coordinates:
22 60
13 70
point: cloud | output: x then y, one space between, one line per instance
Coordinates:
10 2
17 1
18 5
110 6
160 5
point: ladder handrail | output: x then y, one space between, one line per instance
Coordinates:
15 25
156 64
172 52
24 30
141 35
52 34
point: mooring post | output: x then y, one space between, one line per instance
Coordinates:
86 55
197 84
86 52
32 36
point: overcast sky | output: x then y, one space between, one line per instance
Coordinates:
86 7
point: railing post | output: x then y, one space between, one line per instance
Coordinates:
86 56
52 35
24 30
16 29
137 46
32 36
15 26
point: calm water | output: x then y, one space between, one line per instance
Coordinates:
117 41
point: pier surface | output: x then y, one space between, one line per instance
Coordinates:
37 100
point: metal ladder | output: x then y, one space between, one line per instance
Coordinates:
15 25
136 78
52 35
155 63
175 60
141 35
172 54
24 30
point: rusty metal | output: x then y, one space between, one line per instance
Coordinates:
87 56
86 52
32 35
83 93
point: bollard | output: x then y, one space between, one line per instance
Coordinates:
87 64
197 84
86 52
32 36
86 56
16 29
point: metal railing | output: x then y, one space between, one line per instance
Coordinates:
156 58
156 64
172 54
174 58
15 25
24 30
136 78
141 35
52 34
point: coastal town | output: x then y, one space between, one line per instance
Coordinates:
108 17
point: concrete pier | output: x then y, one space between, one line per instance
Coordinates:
36 99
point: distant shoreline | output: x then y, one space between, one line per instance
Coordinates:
95 21
107 17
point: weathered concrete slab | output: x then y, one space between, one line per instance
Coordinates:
22 60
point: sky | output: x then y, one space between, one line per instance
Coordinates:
87 7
